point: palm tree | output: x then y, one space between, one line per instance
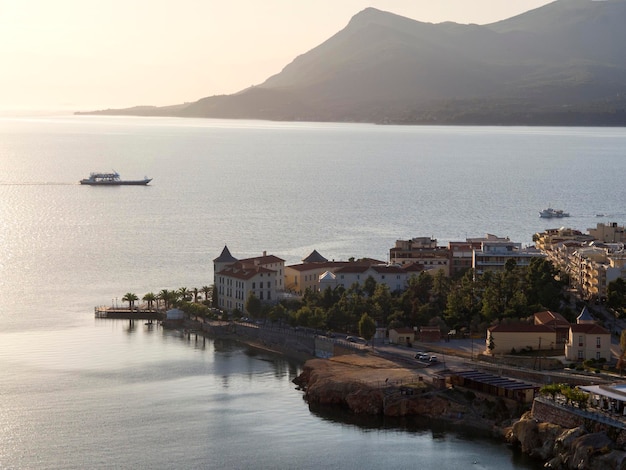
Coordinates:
166 296
207 292
183 293
195 291
150 298
130 298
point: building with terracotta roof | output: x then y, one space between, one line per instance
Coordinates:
554 320
394 277
235 280
510 337
587 339
404 336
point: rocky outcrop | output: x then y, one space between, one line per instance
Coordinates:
371 386
563 448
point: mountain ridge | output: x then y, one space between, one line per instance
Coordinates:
560 64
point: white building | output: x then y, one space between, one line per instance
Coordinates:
262 276
394 277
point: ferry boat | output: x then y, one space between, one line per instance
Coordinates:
550 213
112 179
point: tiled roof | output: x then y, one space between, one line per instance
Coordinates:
551 318
404 330
521 328
589 329
244 271
266 259
316 266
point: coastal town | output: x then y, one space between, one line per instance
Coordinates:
550 363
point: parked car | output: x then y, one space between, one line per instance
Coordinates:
433 359
356 339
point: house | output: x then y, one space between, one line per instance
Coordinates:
394 277
404 336
430 334
235 280
511 337
554 320
587 340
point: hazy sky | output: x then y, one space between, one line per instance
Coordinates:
86 54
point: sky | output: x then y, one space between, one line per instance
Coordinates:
94 54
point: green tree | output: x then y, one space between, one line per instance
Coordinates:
130 298
184 294
166 296
150 298
616 294
253 305
369 286
367 327
207 291
544 284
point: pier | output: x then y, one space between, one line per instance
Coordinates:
127 314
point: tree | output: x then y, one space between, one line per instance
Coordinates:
544 287
207 291
195 291
369 286
367 327
130 298
492 343
150 298
184 294
166 296
616 294
253 305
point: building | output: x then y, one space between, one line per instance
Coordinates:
421 250
515 337
462 253
404 336
587 340
394 277
608 233
493 256
235 280
557 322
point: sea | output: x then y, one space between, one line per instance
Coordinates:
78 392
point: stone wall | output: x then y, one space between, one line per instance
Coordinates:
546 411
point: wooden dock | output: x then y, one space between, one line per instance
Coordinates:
127 314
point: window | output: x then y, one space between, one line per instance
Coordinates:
580 341
598 355
254 285
580 355
598 343
261 294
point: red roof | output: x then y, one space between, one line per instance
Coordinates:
521 328
589 329
244 271
553 319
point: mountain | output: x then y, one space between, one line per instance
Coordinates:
561 64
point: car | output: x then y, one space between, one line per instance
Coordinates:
433 359
356 339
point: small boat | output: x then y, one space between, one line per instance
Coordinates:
550 213
112 179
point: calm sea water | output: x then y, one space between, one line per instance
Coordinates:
81 393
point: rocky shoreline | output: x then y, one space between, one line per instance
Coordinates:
369 385
563 448
365 384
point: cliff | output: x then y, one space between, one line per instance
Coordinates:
563 448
